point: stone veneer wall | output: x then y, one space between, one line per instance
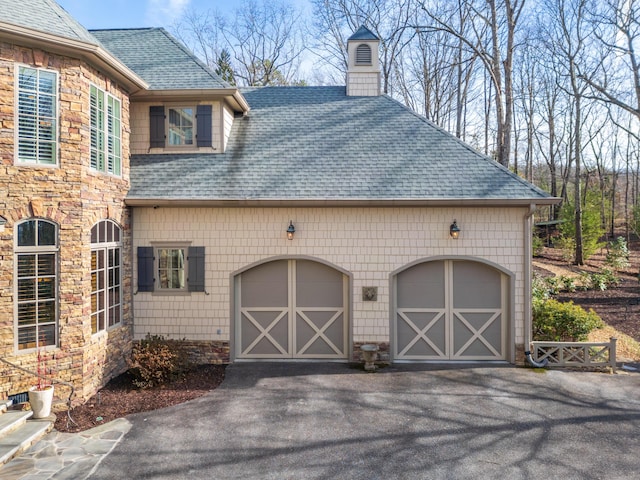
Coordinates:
74 197
369 243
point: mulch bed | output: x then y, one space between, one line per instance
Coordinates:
120 398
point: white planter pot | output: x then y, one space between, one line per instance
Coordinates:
40 401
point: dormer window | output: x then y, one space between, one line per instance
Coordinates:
181 121
363 54
180 126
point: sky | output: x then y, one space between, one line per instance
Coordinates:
95 14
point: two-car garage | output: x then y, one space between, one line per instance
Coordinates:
444 309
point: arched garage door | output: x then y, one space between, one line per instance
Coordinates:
450 310
291 309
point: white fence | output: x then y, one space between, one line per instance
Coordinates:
576 354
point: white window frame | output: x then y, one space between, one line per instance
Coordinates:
38 119
36 250
194 125
164 290
107 241
106 132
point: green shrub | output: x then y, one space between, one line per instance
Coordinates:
567 283
603 280
155 361
539 288
537 246
591 229
562 322
618 254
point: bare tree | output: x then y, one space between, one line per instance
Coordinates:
337 20
263 41
492 36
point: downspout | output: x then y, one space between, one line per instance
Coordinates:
527 288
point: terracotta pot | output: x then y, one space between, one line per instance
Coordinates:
40 401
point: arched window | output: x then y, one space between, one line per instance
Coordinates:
106 275
36 258
363 54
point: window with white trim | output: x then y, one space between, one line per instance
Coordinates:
106 141
106 276
37 116
36 260
171 268
181 123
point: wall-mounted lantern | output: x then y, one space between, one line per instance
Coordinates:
454 230
3 222
291 230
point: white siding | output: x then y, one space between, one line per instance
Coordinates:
369 243
140 138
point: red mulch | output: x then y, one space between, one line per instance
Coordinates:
120 397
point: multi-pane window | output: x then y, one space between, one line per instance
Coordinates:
106 142
36 283
106 276
171 268
181 123
37 106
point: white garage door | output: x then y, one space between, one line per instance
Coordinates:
291 309
450 310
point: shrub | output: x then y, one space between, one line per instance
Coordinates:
537 246
603 280
155 361
591 229
618 254
568 283
563 322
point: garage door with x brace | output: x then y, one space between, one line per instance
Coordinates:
291 309
450 310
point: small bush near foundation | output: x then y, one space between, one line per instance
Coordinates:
555 321
155 361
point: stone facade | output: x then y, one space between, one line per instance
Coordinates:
368 243
75 198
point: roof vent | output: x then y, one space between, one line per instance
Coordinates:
363 54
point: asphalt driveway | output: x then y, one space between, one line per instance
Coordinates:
331 421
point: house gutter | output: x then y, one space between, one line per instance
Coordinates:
355 202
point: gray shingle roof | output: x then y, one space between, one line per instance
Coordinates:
315 143
157 57
363 33
45 16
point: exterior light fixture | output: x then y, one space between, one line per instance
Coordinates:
291 230
454 230
3 222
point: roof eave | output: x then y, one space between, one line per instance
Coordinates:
311 202
92 53
233 95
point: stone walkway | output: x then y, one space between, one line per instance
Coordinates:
66 456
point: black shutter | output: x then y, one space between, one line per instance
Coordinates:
156 124
195 257
203 118
145 269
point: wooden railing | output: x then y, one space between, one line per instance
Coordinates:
576 354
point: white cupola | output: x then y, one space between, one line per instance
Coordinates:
363 72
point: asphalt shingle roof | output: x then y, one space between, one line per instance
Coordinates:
44 16
159 59
316 143
363 33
